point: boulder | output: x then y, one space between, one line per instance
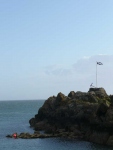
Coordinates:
71 94
100 92
59 99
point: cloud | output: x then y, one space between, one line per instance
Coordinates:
57 70
53 79
81 74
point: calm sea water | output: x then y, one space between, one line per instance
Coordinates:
14 117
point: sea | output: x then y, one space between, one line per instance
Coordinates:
14 117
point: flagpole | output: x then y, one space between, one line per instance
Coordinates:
96 74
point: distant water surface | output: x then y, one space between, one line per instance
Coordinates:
14 117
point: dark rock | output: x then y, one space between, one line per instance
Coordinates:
109 115
99 137
86 97
32 122
71 94
111 99
102 109
86 115
9 136
59 99
100 92
40 125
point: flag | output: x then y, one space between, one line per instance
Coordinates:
99 63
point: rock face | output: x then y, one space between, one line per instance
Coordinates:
88 116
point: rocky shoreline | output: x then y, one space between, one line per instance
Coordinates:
80 115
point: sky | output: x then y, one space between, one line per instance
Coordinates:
52 46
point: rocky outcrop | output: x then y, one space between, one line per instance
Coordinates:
84 115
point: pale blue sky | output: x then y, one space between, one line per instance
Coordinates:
43 41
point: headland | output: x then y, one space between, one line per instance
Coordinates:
80 115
